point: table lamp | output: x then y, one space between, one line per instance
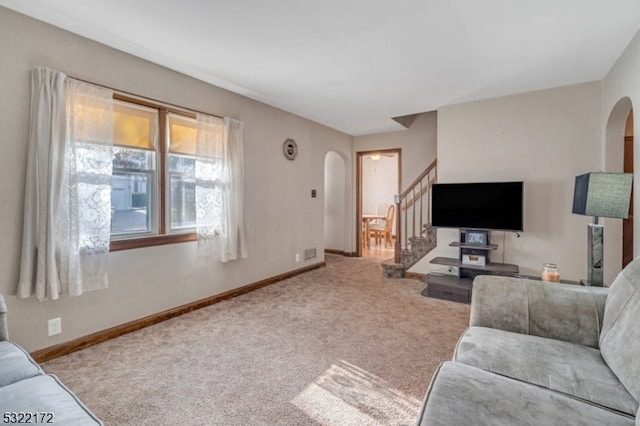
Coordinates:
600 194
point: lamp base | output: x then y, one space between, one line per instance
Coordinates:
595 243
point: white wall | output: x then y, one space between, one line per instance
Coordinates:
379 182
543 138
622 81
418 145
282 218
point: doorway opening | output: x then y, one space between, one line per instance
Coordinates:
619 250
627 224
378 181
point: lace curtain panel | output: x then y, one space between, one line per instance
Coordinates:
85 213
209 183
67 196
220 188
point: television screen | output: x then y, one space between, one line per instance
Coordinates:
484 205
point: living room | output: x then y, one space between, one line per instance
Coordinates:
544 137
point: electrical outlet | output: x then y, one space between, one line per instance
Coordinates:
297 257
55 326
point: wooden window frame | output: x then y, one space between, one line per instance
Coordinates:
163 236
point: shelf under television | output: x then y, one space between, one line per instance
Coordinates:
505 268
474 246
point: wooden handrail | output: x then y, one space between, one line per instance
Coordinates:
411 204
418 179
422 191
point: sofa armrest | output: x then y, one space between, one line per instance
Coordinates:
565 312
4 328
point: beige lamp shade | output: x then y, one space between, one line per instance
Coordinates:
135 126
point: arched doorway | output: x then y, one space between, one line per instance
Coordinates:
619 158
627 224
335 194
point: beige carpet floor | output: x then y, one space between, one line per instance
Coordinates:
339 345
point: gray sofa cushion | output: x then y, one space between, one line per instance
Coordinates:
572 369
558 311
16 364
45 394
620 337
464 395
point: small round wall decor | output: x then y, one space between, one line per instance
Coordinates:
290 149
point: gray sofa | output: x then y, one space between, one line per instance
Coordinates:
538 353
28 395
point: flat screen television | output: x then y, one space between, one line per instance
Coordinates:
481 205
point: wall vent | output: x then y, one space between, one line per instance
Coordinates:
309 254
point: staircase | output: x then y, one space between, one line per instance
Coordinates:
414 235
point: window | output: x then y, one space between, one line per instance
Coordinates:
134 179
122 173
153 186
182 171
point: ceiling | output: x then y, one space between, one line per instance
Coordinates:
354 64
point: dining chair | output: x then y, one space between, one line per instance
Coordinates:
381 210
384 231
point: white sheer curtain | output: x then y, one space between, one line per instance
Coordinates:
220 188
67 215
235 245
38 267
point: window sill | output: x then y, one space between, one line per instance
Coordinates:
156 240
